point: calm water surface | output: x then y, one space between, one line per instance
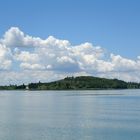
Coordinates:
70 115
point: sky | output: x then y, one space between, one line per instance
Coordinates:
46 40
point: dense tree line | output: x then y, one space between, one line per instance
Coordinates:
13 87
84 83
76 83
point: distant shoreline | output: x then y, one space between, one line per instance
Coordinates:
77 83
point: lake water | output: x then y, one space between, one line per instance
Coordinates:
70 115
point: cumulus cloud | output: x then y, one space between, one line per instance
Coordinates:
5 57
31 66
14 37
25 56
52 57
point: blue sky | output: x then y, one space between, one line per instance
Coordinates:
45 40
113 24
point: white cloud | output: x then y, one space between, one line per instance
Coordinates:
5 57
25 56
43 58
123 64
14 37
31 66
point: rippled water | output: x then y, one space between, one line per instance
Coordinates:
70 115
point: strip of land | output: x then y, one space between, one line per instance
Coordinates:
76 83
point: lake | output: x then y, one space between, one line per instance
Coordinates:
70 115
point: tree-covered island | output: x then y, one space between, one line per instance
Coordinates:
76 83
